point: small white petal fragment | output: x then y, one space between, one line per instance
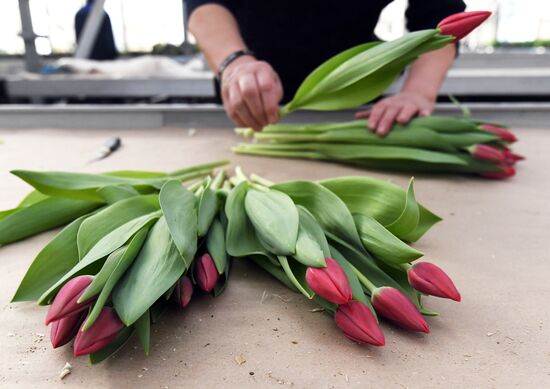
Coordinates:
65 371
240 359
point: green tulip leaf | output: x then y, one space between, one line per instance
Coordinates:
157 267
107 278
179 207
41 215
215 244
381 243
241 239
381 200
311 246
143 329
357 289
121 219
209 206
113 193
329 211
296 273
53 262
408 220
275 219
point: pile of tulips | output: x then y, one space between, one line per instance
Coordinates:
140 241
135 240
434 144
341 242
361 74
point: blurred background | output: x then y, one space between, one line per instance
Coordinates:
154 60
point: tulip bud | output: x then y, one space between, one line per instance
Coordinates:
66 301
430 279
461 24
358 323
65 329
183 291
206 274
395 306
503 133
488 153
507 171
330 282
100 334
512 157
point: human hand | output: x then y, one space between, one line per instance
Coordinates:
251 92
399 108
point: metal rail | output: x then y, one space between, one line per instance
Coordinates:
536 115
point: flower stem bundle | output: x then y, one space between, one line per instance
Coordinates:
434 144
137 240
151 238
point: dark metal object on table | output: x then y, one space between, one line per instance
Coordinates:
109 147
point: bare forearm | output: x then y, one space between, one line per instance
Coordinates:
217 33
428 72
250 89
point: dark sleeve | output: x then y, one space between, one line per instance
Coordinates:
426 14
191 5
79 20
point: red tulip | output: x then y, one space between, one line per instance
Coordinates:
66 301
206 274
488 153
507 171
512 157
183 291
358 323
65 329
330 282
503 133
100 334
429 279
461 24
395 306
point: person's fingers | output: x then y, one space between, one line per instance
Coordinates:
363 114
375 115
386 122
406 113
238 109
271 94
250 93
425 112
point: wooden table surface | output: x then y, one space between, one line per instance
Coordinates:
493 242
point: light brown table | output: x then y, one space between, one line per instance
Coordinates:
493 242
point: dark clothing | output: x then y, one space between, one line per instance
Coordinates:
296 36
104 46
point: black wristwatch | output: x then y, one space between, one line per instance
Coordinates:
230 58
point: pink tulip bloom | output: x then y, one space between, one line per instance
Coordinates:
66 301
100 334
206 274
65 329
430 279
461 24
358 323
330 282
183 291
395 306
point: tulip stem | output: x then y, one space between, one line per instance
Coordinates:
195 186
260 180
218 180
364 280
